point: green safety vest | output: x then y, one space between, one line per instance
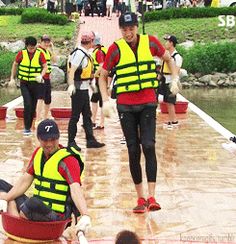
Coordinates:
29 69
47 56
50 186
95 62
135 73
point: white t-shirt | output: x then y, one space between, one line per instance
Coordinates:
178 62
79 59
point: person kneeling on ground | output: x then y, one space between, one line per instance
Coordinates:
51 167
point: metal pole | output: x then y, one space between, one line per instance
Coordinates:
62 6
143 22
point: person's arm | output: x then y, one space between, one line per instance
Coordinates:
103 83
178 62
45 67
12 82
100 57
78 198
84 221
111 60
20 187
43 62
174 85
76 60
13 70
71 75
53 54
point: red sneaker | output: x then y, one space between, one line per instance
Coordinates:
141 207
152 204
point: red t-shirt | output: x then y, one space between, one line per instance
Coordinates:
68 168
47 75
143 96
100 56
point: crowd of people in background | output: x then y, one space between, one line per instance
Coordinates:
105 8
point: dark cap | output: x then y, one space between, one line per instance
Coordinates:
171 39
48 129
128 19
45 38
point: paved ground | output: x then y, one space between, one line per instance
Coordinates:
195 183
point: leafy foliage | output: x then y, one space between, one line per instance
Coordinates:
211 57
38 15
175 13
11 11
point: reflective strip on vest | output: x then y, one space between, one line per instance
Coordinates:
47 56
29 69
135 74
50 186
95 63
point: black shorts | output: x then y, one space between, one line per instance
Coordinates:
96 97
164 89
44 91
34 209
47 92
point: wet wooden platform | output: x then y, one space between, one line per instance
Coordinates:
195 183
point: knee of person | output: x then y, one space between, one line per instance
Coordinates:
4 186
133 146
74 118
27 106
36 205
48 101
148 145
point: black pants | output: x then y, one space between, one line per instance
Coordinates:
104 8
80 104
51 7
47 92
94 7
139 126
30 93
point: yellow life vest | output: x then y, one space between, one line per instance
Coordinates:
50 186
47 56
95 62
86 72
165 68
135 73
29 69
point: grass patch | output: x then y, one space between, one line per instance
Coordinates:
197 30
6 59
12 29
